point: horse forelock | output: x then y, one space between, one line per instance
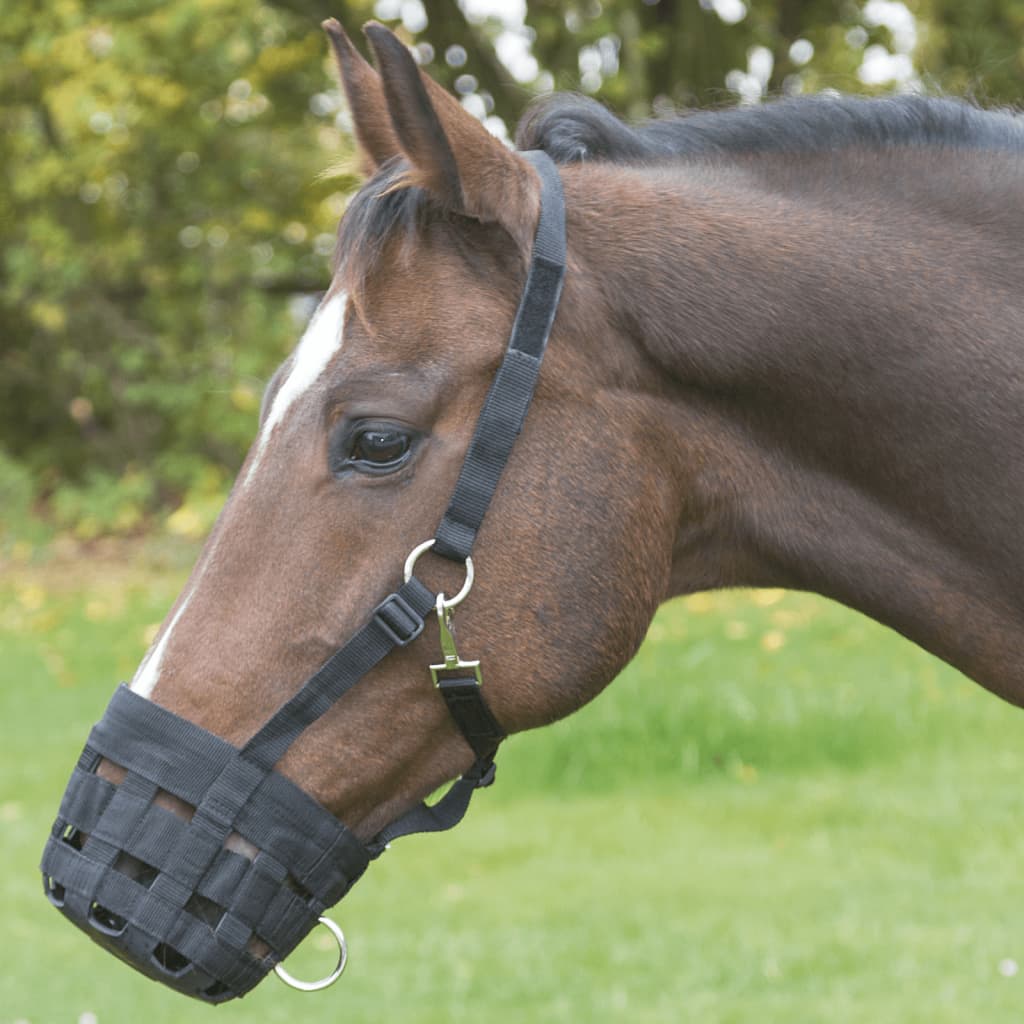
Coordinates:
386 206
388 217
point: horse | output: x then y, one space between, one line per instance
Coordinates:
788 352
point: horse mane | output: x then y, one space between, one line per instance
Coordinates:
572 129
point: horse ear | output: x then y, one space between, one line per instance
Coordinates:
453 156
365 96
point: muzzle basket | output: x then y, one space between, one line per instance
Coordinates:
165 894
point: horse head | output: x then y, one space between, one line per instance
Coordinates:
362 435
365 433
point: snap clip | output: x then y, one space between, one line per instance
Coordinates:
452 662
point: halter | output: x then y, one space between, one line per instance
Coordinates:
169 896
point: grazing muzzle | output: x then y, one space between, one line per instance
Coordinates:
173 896
166 894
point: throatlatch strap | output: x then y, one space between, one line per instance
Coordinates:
512 389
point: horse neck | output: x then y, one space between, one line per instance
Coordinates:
845 361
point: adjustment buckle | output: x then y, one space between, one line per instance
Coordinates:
398 619
452 662
488 776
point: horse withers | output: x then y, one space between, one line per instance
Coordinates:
787 352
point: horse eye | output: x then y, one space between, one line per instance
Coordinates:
379 447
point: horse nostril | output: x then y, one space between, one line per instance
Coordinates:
105 920
169 960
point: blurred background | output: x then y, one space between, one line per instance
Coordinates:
172 173
779 811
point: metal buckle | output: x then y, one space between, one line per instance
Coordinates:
452 661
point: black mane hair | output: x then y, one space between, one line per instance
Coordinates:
572 129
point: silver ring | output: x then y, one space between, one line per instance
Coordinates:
316 986
447 603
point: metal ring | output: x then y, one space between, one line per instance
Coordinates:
447 603
316 986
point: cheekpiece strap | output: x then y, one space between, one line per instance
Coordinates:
511 392
501 419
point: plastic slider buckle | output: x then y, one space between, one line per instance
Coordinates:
398 619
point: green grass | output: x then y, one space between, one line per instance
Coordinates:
780 812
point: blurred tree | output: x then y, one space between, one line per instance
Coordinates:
644 56
973 47
160 201
162 196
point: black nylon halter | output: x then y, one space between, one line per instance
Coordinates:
192 925
399 619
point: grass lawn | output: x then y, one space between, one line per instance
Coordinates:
780 812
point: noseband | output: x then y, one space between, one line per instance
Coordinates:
170 896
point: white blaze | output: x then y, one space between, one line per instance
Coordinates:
321 340
149 671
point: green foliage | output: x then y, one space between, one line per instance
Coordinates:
162 188
102 504
160 183
974 48
18 525
661 55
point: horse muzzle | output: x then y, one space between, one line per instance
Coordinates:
166 894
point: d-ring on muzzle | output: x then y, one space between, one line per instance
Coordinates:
173 896
328 980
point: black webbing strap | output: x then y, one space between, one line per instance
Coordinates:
439 817
399 619
395 622
512 389
472 715
497 428
483 733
